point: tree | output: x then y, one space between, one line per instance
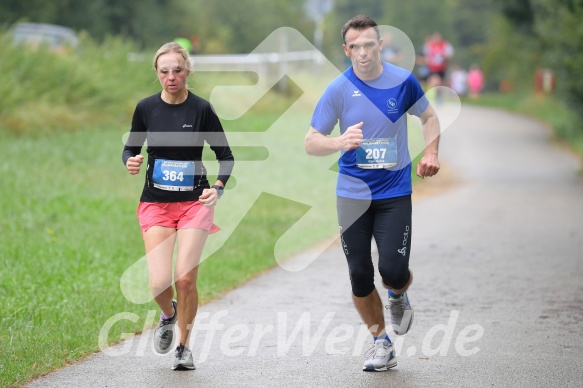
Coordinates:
549 33
520 13
559 30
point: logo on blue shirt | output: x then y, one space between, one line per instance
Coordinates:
392 104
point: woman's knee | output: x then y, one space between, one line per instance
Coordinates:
160 284
185 285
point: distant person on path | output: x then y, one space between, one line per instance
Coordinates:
437 51
458 80
177 202
475 81
369 101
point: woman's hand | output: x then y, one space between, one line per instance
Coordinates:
133 164
209 197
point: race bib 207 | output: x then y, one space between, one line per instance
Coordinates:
377 153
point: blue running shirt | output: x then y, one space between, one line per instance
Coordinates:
381 104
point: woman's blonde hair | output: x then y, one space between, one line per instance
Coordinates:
172 47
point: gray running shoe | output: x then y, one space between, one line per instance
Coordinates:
401 314
380 357
164 333
183 359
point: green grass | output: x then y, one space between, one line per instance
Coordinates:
62 248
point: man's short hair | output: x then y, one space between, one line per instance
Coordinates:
360 22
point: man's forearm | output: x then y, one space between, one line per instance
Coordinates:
317 144
431 133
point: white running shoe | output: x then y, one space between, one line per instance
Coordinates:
380 357
183 359
164 333
401 314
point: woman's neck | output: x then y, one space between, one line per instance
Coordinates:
177 98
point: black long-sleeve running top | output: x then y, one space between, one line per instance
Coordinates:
177 132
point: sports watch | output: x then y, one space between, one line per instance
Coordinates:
219 189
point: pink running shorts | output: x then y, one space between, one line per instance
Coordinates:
177 215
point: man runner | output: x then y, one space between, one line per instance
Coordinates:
369 101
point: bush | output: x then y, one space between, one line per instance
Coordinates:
42 91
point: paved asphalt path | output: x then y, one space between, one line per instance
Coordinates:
498 291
